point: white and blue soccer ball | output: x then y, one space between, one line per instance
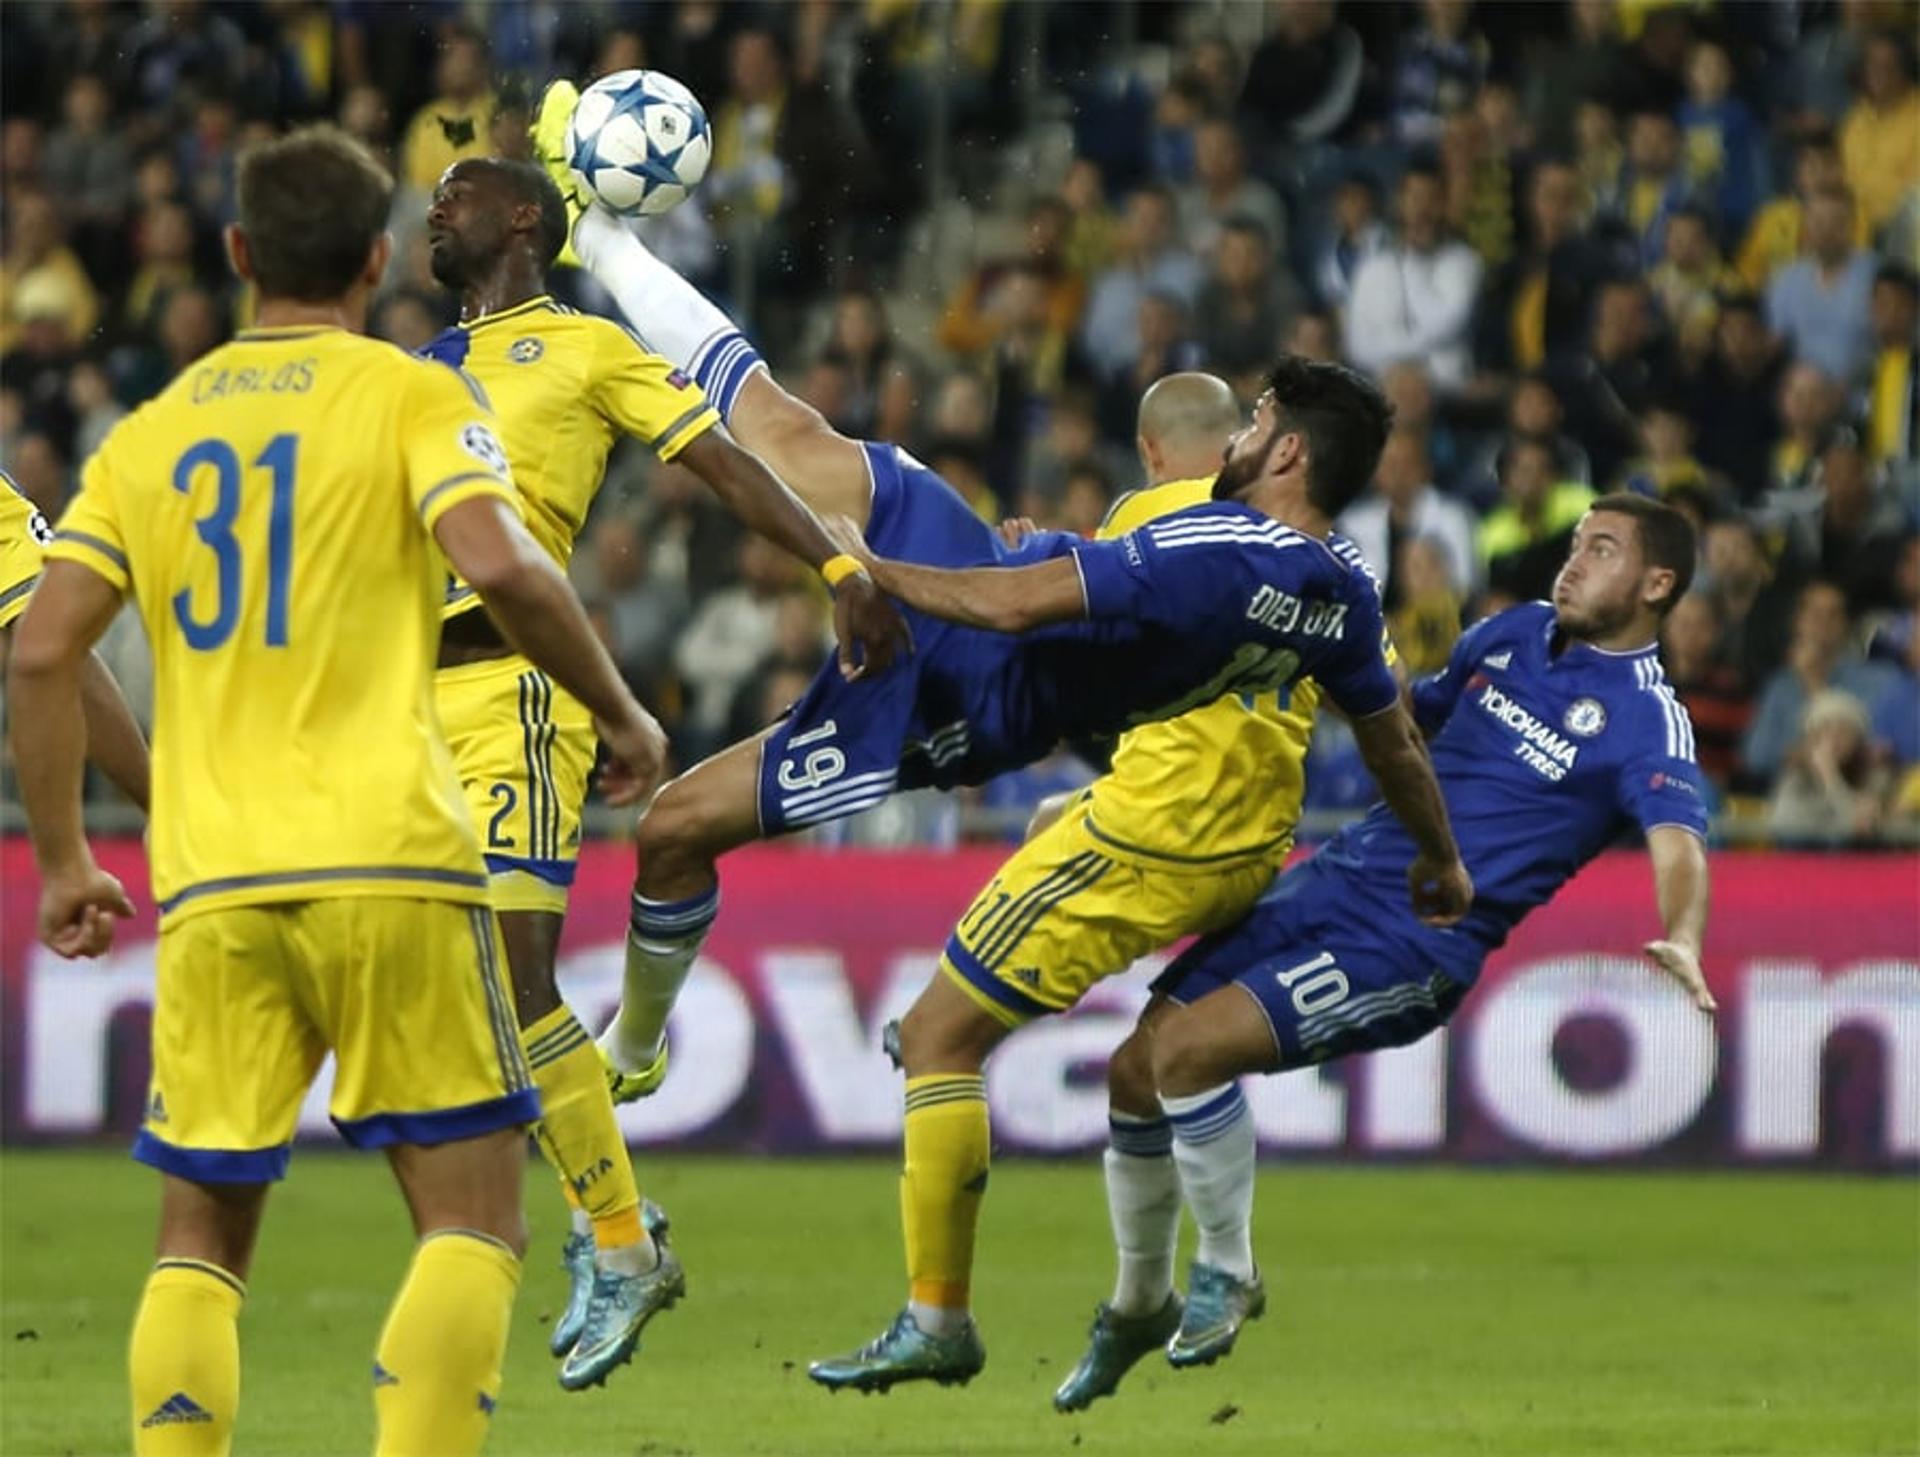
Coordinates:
639 141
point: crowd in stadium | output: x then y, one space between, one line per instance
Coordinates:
1671 248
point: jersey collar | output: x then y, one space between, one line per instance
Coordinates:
532 305
285 331
1584 652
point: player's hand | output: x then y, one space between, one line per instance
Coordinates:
1016 529
870 628
1442 890
638 750
1683 965
78 911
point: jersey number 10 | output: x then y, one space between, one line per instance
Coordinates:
216 529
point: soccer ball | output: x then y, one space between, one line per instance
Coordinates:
639 141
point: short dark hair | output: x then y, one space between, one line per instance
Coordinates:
311 204
528 182
1900 275
1666 538
1345 419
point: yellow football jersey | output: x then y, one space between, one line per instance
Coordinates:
23 535
271 513
1218 782
565 386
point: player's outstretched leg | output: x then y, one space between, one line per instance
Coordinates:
944 1041
678 322
184 1360
695 819
1198 1052
1143 1199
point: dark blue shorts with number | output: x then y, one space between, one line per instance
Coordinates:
1330 977
844 746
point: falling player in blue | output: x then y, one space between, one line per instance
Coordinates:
1553 730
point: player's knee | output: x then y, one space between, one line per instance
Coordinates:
671 836
936 1036
1183 1061
1130 1086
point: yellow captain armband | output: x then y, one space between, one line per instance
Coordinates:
836 569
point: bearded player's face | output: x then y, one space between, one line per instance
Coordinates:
1248 451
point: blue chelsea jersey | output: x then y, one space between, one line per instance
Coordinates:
1213 600
1546 751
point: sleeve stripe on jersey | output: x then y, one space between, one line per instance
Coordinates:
665 437
18 590
1216 528
474 388
1086 602
1237 538
464 478
1679 729
106 549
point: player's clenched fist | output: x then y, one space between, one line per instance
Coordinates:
1442 890
638 746
79 911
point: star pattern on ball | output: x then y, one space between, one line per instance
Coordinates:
659 167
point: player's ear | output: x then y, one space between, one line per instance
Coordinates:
1657 585
237 254
378 256
1288 451
1149 457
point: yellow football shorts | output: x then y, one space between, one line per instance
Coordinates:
409 995
1070 909
524 751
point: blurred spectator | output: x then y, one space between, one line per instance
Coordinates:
365 116
454 124
691 542
1086 501
1439 69
1314 334
1604 390
1090 233
1147 260
163 248
87 163
1070 438
1690 281
95 410
1880 142
1426 623
644 613
407 318
1652 182
802 638
1893 395
1246 301
1584 64
1778 234
1165 348
1669 465
962 463
1810 405
1819 85
1854 533
1738 581
1835 786
40 277
1821 306
1304 81
1414 300
1483 155
1600 159
1653 76
1820 654
1404 506
34 372
206 152
1409 390
881 391
1725 144
1524 542
182 51
1177 115
39 467
1716 694
1536 305
984 308
728 636
1355 236
1222 192
1733 398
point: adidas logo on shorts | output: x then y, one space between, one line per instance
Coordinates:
175 1410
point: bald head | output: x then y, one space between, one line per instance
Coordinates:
1185 421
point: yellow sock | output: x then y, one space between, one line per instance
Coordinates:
436 1374
577 1130
947 1143
185 1360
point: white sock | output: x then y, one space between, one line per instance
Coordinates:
1143 1197
663 939
583 1223
634 1259
672 317
938 1320
1213 1150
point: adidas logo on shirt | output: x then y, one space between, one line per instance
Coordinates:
175 1410
1498 660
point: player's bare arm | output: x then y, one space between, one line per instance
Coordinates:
1000 599
541 617
1391 746
1680 881
115 745
870 630
46 668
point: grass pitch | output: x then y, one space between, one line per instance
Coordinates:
1414 1311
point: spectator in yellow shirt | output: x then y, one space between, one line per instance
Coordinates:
1777 236
1893 398
40 266
455 124
1880 142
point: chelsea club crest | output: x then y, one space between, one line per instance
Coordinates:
525 351
1586 717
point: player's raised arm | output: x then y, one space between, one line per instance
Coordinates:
1680 882
870 630
71 607
1000 599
